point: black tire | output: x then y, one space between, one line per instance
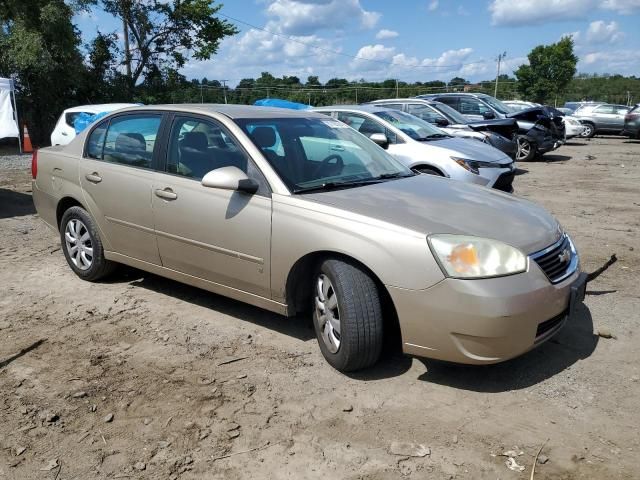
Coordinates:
428 171
526 150
99 267
590 130
360 316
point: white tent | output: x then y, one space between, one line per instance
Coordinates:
8 115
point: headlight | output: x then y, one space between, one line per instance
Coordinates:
474 165
462 256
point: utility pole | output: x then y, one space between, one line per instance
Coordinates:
125 32
500 58
201 96
224 89
356 95
397 95
309 96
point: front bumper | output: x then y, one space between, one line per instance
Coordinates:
486 320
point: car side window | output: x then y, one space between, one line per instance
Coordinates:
395 106
366 126
197 146
424 112
131 140
472 106
95 144
604 109
452 101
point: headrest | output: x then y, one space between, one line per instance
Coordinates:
265 137
130 141
195 140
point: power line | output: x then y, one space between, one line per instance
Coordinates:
336 52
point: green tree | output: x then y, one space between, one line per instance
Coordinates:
551 68
39 47
163 34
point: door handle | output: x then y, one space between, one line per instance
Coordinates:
337 148
93 177
166 193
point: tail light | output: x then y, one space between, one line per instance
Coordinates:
34 164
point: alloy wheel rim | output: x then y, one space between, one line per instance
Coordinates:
587 131
524 148
328 313
78 243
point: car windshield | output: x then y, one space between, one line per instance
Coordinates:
415 127
453 115
496 104
320 154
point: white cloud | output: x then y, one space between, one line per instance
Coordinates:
529 12
433 5
462 11
624 62
384 34
304 17
624 7
603 32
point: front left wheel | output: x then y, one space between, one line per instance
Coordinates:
347 315
82 245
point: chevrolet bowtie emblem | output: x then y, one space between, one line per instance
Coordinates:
564 256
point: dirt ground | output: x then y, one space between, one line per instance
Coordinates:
142 377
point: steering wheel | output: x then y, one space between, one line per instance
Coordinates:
339 165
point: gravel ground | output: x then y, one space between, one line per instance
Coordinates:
141 377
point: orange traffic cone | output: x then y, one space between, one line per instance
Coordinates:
26 141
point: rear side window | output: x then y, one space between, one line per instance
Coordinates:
604 109
424 112
131 140
70 117
451 101
96 141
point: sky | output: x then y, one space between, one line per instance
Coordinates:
412 40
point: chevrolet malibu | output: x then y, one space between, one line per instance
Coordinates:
295 212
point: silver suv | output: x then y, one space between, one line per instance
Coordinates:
606 118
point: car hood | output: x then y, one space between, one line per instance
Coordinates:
468 148
429 204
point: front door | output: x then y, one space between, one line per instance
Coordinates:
116 176
218 235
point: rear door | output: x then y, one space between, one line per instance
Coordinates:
604 117
222 236
619 113
116 175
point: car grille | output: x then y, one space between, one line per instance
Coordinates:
552 325
504 182
557 261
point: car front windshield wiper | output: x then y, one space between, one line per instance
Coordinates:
386 176
433 136
337 185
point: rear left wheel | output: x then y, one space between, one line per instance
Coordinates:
526 150
347 315
82 245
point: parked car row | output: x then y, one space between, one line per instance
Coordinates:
300 212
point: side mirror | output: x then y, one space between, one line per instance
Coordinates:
381 139
489 115
230 178
442 122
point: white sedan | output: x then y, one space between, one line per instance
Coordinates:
65 131
572 127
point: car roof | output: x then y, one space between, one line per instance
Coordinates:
402 100
447 94
231 111
103 107
367 108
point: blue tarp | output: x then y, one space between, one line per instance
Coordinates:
276 102
83 120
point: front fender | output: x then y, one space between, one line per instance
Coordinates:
398 256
